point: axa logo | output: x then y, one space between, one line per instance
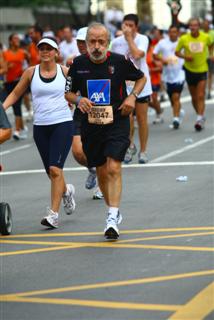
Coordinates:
98 97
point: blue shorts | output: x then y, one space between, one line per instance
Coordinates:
53 143
174 87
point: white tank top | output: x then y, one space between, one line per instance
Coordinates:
49 104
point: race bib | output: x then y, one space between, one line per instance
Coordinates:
172 60
99 91
196 47
100 115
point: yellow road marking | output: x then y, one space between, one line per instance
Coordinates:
114 283
171 236
11 253
109 245
198 307
95 303
79 234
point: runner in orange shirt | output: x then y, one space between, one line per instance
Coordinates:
155 70
15 57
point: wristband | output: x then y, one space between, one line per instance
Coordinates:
135 94
78 99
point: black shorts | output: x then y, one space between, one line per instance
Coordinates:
174 87
102 141
145 99
193 78
53 143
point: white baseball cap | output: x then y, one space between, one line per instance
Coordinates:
81 33
49 41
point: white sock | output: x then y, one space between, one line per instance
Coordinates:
113 211
176 119
199 117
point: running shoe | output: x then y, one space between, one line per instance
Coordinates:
91 179
142 158
131 151
21 134
158 120
111 230
68 199
51 220
97 194
199 125
175 124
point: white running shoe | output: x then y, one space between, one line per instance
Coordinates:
68 199
97 194
111 230
142 158
51 220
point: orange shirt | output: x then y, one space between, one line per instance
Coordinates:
34 54
14 61
154 75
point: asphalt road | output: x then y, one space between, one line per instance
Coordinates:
162 265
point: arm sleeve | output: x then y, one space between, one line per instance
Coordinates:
70 80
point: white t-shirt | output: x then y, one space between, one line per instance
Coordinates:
68 49
172 72
120 45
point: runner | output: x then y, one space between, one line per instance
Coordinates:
135 45
155 71
68 47
15 57
99 77
192 47
207 29
52 123
173 74
77 144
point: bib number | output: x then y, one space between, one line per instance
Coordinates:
100 115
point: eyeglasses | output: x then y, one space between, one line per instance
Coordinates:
48 48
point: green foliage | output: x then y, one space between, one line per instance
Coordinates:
31 3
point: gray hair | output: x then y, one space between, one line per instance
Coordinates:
97 25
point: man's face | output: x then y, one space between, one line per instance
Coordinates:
67 34
194 26
131 25
97 44
82 46
173 34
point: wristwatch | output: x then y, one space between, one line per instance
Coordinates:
135 94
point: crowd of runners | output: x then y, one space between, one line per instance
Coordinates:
84 93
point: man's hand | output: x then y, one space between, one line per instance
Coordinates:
127 32
188 58
128 105
85 105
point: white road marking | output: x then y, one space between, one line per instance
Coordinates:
15 149
125 166
186 148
